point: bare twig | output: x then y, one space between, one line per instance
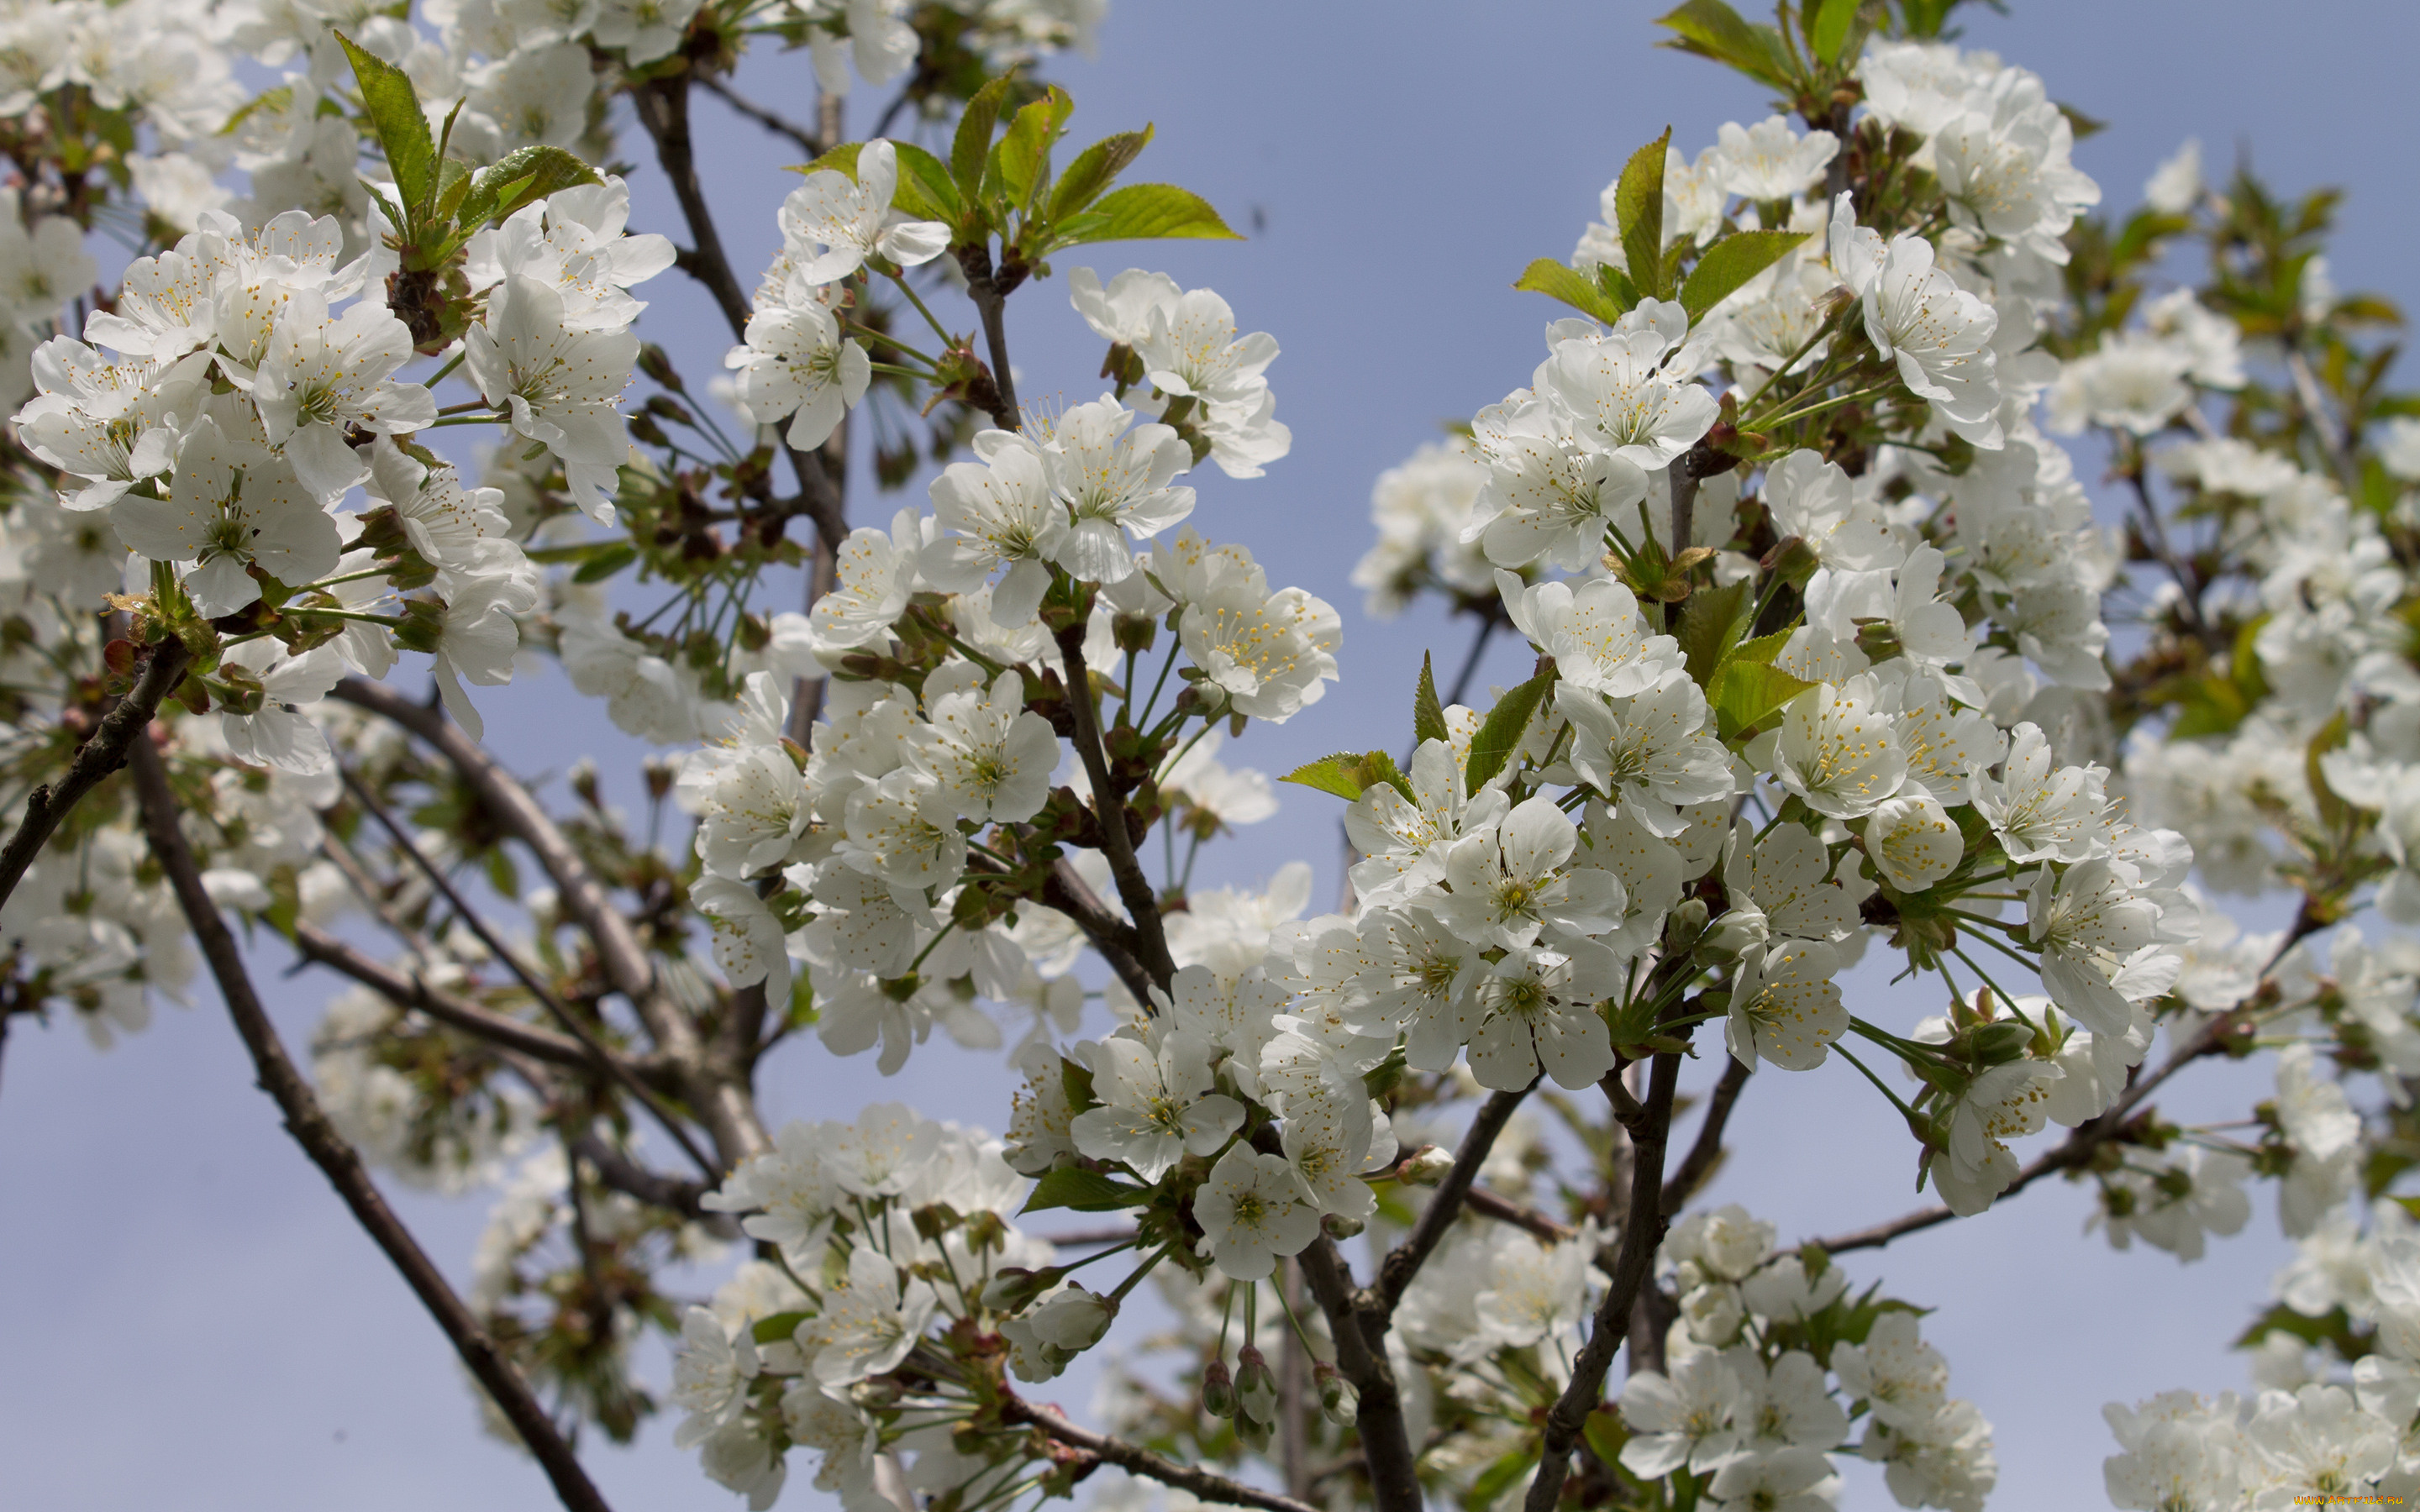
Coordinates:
1405 1261
1505 1211
1137 1460
1700 1162
1134 889
103 753
413 991
1642 1232
719 1096
1489 619
772 121
2155 535
597 1050
309 1125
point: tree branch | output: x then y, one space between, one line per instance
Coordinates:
722 1102
104 753
597 1049
2155 535
1405 1261
1505 1211
1700 1162
777 124
1642 1232
1361 1355
1137 1460
411 992
309 1125
673 1194
1134 889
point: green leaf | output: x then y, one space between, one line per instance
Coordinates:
1829 33
520 178
926 191
1748 693
840 160
1506 723
1638 210
1560 281
1095 169
1498 1479
778 1328
1712 29
1428 714
1605 1434
1339 774
402 129
1024 151
1072 1186
1710 624
1762 650
606 564
970 148
1149 212
1350 774
1731 262
274 102
1617 285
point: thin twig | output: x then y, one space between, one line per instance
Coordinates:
1137 1460
103 753
1488 619
1700 1162
2155 535
1405 1261
1134 889
772 121
336 1159
413 991
1505 1211
560 1011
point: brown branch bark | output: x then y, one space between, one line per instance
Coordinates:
1137 1460
309 1125
1503 1209
718 1094
1642 1232
1134 889
1405 1261
1700 1162
101 754
322 949
1361 1355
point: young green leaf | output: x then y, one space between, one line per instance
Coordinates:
925 190
1095 169
1761 651
1712 29
971 150
1428 715
1340 774
1828 32
523 177
840 160
1731 262
1747 693
1638 206
1500 736
1149 212
1072 1186
402 129
1710 625
1560 281
1024 152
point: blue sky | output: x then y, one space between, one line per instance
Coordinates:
193 1322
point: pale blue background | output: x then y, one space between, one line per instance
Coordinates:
190 1321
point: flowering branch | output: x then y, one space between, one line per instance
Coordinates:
1137 1460
1361 1354
104 753
412 992
1405 1261
1117 841
328 1149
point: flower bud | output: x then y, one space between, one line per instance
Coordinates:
1733 932
1684 924
1793 560
1337 1396
1256 1385
1012 1286
1992 1045
1074 1319
1217 1390
1337 1225
1425 1167
1135 632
